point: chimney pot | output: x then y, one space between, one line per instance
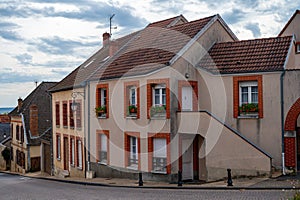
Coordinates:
20 103
106 37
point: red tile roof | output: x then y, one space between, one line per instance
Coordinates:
150 50
259 55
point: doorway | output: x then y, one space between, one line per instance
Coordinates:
66 153
187 98
187 158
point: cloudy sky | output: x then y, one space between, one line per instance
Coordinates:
44 40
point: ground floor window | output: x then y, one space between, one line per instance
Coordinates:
79 153
159 159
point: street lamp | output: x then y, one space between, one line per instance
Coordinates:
74 104
4 134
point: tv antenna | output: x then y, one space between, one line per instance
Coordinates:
36 82
110 27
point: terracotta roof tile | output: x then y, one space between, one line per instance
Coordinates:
259 55
152 47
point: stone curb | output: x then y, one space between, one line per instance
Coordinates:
154 187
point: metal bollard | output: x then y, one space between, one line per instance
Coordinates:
179 178
229 181
141 183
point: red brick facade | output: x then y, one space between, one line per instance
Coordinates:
290 151
292 116
236 96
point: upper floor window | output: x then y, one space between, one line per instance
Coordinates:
65 114
248 96
71 115
57 114
102 101
158 99
78 116
131 97
18 132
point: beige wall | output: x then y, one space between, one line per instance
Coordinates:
76 132
117 124
223 148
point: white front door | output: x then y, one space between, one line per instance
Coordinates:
187 159
187 99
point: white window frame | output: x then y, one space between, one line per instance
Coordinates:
79 153
160 88
103 148
248 84
160 152
133 90
297 47
103 100
132 154
72 151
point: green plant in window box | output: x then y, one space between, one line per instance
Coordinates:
157 110
248 108
132 109
100 110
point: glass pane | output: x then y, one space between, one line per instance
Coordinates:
156 97
133 97
254 94
244 95
163 96
159 147
103 139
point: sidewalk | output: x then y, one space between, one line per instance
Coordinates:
276 182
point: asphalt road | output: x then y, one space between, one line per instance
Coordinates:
18 187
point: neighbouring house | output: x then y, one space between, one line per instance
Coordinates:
5 142
69 105
31 126
180 96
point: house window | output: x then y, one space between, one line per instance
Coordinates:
159 152
133 153
132 149
65 114
58 147
22 134
158 98
103 149
79 153
248 96
71 115
131 99
12 153
159 159
57 115
102 101
72 151
78 116
17 132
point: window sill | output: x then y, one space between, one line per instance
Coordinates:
131 117
72 127
57 126
79 129
58 159
158 172
79 168
102 163
66 127
248 116
132 167
102 117
72 165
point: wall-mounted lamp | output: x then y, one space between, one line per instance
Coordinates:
187 75
4 134
74 105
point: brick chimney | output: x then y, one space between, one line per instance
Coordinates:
20 103
33 117
106 37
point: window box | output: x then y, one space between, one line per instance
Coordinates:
158 111
101 111
248 109
132 109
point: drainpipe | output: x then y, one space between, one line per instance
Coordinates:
282 121
89 128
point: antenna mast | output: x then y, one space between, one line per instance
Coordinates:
110 24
